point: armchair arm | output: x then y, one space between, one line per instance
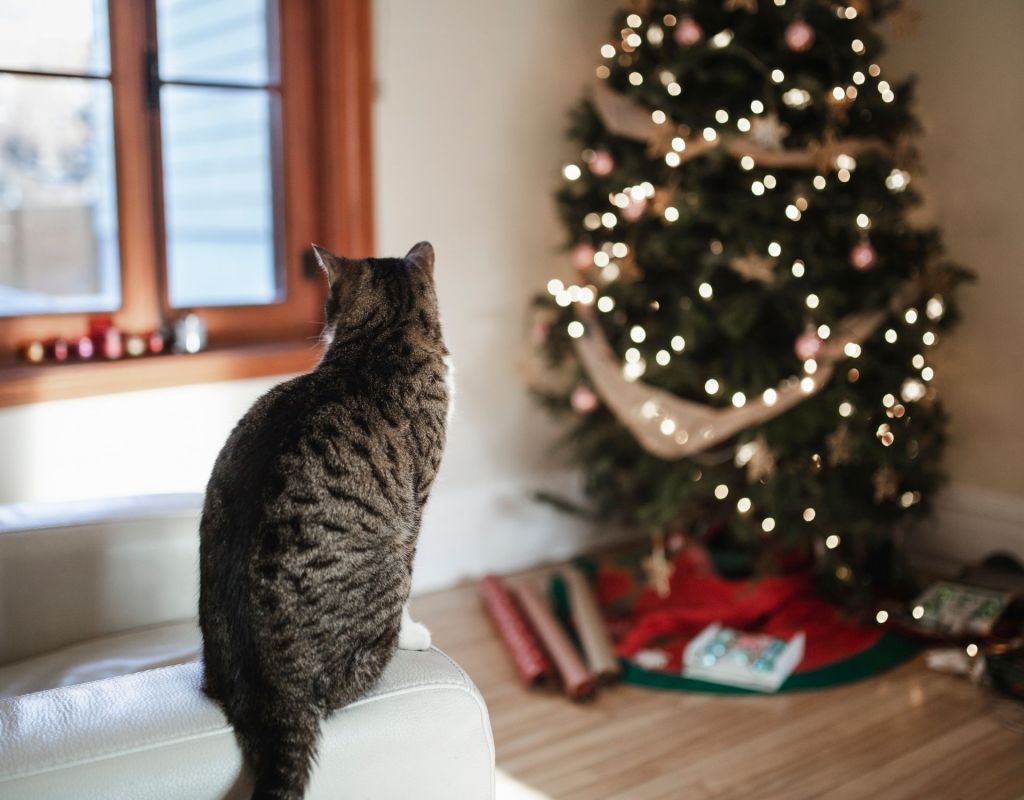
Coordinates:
422 732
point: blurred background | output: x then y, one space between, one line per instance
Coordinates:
468 113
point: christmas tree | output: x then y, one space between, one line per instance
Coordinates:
741 346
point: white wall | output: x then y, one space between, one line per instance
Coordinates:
161 440
472 106
469 138
971 71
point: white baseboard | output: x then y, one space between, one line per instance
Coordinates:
970 524
470 530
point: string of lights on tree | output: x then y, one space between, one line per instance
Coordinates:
739 247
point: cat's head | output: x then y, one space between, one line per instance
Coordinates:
381 295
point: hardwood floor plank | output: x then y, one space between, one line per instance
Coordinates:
905 735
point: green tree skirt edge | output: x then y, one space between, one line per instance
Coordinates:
890 651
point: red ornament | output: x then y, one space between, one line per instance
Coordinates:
106 338
583 400
59 350
157 342
799 36
99 325
863 255
688 32
635 209
602 163
583 255
807 344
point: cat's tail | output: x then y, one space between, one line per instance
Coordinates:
280 747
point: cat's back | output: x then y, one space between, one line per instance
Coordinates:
251 466
300 440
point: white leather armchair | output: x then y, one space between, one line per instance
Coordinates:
100 687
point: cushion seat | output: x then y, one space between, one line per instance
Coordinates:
104 657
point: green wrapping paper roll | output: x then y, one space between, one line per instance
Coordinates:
577 681
591 630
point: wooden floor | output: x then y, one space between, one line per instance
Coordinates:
910 734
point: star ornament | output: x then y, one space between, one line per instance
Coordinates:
886 484
826 151
759 459
659 569
840 446
768 132
754 267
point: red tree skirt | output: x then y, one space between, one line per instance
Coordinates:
640 620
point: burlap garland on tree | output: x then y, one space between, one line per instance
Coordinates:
695 427
624 117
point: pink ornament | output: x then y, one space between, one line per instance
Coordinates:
807 345
583 255
799 36
863 255
688 32
602 163
84 348
635 210
583 400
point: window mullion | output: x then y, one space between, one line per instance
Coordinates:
136 174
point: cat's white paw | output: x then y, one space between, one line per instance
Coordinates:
415 636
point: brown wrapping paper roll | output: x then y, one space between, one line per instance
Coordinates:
579 683
526 651
590 627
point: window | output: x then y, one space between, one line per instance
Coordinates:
165 156
56 161
216 87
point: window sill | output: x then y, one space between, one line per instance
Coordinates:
34 383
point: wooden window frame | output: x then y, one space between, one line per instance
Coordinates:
326 79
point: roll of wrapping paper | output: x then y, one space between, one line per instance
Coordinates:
531 663
578 681
591 630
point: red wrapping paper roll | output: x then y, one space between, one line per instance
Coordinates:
579 683
531 663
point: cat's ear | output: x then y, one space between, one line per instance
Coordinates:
329 263
422 255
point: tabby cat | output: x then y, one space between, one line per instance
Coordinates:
312 514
